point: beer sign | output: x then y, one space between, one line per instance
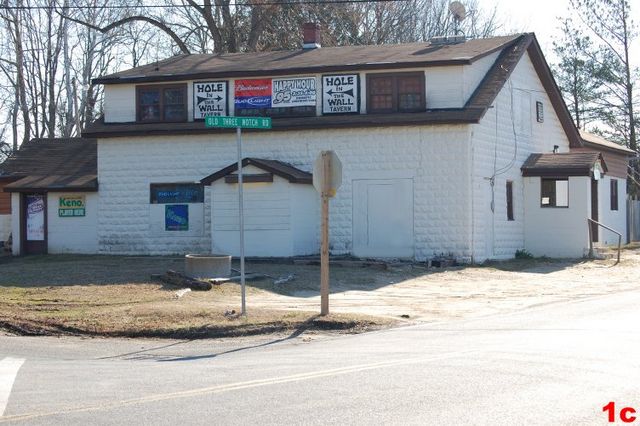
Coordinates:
340 94
209 99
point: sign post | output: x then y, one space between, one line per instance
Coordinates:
327 177
239 123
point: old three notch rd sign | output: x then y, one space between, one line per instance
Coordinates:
242 122
334 171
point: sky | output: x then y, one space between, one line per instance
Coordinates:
540 16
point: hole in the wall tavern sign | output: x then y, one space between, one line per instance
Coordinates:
71 206
209 99
340 94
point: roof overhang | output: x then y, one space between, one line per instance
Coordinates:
563 165
275 167
54 183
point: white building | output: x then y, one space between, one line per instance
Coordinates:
432 138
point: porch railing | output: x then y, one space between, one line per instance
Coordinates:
589 222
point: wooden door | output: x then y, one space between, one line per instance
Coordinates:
34 223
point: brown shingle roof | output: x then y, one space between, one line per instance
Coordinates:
325 59
562 164
278 168
53 164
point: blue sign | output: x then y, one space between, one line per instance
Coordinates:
176 217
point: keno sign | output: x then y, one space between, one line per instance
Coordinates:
340 94
209 99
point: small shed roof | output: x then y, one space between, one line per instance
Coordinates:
599 142
278 168
562 164
48 164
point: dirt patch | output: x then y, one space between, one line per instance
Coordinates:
114 295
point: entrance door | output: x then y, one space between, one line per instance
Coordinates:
594 210
383 218
34 223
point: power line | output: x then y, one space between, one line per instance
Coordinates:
175 6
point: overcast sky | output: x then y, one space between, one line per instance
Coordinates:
540 16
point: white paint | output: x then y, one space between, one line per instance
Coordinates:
494 142
557 231
8 371
616 219
72 234
436 157
5 226
451 167
383 218
280 218
119 103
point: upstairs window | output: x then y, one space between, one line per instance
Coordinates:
555 193
400 92
162 103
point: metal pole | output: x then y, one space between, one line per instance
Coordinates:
241 217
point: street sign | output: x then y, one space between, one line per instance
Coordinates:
241 122
334 173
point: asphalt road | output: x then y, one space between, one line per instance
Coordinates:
555 364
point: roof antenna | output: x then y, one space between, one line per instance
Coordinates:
458 12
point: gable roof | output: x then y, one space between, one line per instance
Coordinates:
512 49
598 142
325 59
562 164
62 164
278 168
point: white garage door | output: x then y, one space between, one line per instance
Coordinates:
383 218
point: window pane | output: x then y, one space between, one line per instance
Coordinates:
380 102
149 105
381 85
174 112
409 101
548 193
614 194
562 193
174 96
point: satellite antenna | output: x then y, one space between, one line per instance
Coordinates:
458 12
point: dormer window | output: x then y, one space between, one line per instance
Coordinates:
158 103
397 92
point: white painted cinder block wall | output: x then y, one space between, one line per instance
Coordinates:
435 157
501 143
72 234
616 219
557 231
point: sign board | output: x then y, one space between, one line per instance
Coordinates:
242 122
209 99
334 173
340 94
176 217
35 217
71 206
293 92
252 94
